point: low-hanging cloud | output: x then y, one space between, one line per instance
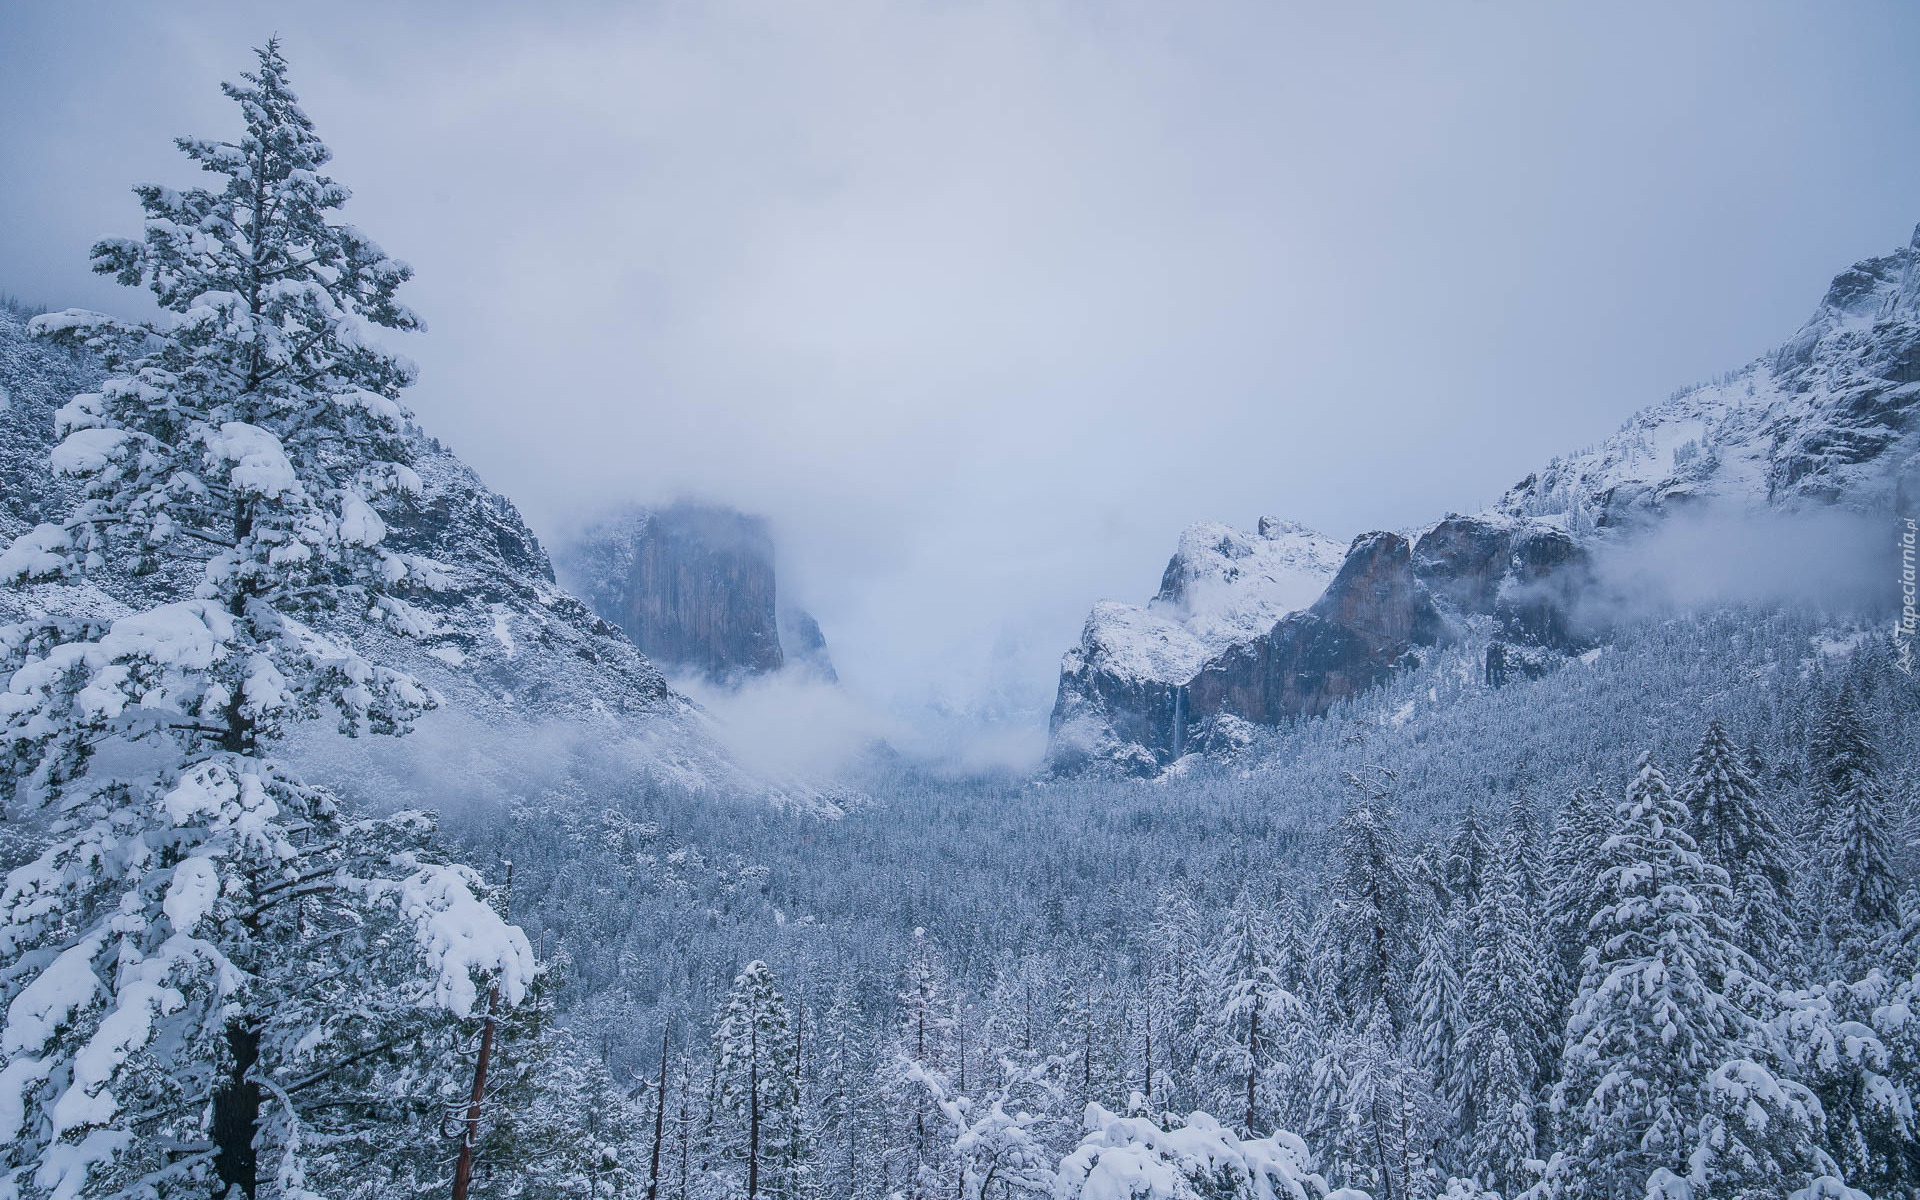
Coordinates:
1829 559
792 724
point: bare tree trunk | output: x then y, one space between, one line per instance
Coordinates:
686 1120
1146 1051
1086 1061
659 1123
1253 1062
463 1166
753 1111
236 1114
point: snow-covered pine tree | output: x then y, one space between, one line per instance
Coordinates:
1367 935
1855 850
1505 1136
1441 1046
1389 1117
1249 1025
1573 863
1510 1037
1078 1044
1000 1151
1175 969
1333 1128
1470 855
917 1161
209 954
1651 1018
1506 981
1426 874
1735 828
844 1113
1026 1074
1520 850
1760 1137
1857 1047
758 1145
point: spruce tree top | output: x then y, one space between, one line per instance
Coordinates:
251 427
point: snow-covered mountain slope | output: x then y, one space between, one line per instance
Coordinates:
1224 585
1827 418
496 636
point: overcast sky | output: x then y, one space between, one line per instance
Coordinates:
983 302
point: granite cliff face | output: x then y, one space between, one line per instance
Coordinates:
1370 618
1525 575
1832 417
694 587
803 646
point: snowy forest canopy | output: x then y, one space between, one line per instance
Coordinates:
1645 926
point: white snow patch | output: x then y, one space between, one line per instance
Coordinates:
67 985
459 934
1132 1158
38 553
85 451
190 896
1840 647
260 465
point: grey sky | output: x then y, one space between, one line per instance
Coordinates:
983 302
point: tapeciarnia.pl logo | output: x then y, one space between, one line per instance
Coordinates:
1903 635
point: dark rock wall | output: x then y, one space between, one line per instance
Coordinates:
694 586
1145 717
1370 617
1527 577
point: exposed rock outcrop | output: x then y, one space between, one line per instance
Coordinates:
1526 575
694 586
1373 614
803 646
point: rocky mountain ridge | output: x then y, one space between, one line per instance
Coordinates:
1829 418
